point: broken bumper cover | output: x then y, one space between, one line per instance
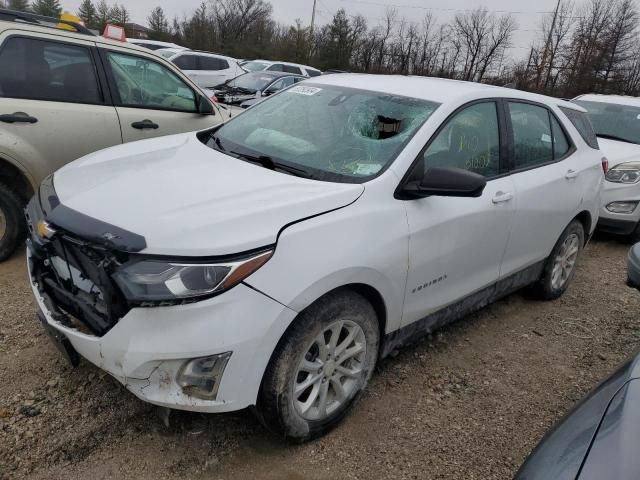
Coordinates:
146 349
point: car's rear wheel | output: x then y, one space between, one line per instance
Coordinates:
12 226
560 267
320 367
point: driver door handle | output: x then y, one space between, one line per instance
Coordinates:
502 197
571 174
18 117
145 124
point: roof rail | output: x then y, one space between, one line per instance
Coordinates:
41 20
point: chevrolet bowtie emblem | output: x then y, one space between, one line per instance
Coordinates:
44 230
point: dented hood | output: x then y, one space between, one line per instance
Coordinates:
186 199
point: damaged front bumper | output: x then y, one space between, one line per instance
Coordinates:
146 349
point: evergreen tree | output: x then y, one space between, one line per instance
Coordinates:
48 8
19 5
103 15
87 12
119 15
158 25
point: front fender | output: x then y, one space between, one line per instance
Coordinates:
363 243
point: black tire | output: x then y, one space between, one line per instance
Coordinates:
11 206
546 288
277 402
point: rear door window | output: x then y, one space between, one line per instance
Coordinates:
581 121
52 71
532 138
538 137
186 62
212 63
291 69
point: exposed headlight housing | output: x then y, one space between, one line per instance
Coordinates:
624 173
152 281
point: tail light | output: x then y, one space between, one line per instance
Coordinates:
605 165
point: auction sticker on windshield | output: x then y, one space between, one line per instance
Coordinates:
305 90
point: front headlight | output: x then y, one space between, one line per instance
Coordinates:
151 280
624 173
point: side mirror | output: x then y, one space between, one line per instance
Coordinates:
204 106
446 182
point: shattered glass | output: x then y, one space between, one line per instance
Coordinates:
342 134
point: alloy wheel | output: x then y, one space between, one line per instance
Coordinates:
565 261
331 370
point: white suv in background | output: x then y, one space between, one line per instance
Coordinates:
287 67
616 120
271 262
204 68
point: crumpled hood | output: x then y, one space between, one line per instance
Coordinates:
188 199
618 152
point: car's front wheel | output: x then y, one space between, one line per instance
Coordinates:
320 367
12 225
560 267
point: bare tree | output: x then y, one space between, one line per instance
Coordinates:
483 37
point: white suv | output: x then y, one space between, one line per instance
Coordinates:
616 120
204 68
274 260
286 67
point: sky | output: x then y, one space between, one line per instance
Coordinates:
527 13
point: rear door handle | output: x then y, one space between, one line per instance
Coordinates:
18 117
502 197
145 124
571 174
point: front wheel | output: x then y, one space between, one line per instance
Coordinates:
320 367
12 225
560 267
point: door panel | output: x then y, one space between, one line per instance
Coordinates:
51 104
456 245
168 122
548 195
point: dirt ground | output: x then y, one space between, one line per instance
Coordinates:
467 403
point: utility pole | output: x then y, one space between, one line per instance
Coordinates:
547 46
313 21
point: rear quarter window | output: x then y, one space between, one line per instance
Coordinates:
581 121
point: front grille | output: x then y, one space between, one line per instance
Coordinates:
76 278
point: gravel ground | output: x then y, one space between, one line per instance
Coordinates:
469 402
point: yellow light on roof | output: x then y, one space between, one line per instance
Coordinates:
69 17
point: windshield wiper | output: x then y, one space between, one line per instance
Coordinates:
614 137
271 164
217 141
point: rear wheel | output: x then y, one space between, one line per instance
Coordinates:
12 226
560 267
320 367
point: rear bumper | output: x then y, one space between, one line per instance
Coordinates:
146 348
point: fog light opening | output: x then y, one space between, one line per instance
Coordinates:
622 207
200 377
